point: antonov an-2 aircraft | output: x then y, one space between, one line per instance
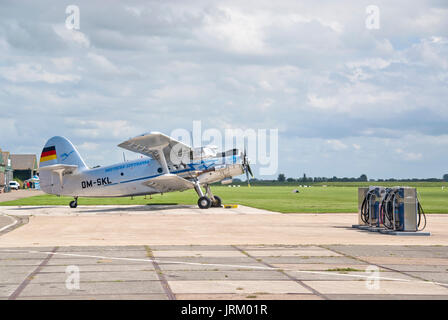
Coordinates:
168 165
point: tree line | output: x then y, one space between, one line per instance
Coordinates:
362 178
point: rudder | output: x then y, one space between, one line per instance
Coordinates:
59 150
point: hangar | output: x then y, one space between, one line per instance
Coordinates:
24 166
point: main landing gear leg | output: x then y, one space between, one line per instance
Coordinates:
216 201
74 203
204 202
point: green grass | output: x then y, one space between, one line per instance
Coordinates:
417 184
275 198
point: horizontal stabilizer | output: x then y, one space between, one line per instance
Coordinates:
62 168
169 182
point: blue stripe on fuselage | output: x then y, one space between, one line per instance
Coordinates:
203 165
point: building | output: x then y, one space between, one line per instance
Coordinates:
24 166
5 169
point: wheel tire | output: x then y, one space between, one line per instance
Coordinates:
217 203
204 202
73 204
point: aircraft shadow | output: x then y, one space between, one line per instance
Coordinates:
147 207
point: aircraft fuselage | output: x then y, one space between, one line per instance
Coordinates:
127 178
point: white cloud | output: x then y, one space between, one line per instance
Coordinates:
230 29
64 63
178 92
322 103
89 146
431 52
102 62
409 156
134 10
71 37
357 98
431 19
312 70
35 73
372 63
100 129
337 145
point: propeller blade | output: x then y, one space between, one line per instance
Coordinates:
250 170
247 169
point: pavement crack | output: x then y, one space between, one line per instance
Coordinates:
314 291
30 277
382 266
160 275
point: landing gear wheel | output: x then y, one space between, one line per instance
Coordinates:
217 203
204 202
73 204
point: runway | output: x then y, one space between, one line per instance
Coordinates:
181 252
223 272
188 225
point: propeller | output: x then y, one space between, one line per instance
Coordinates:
246 167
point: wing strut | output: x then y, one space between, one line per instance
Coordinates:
60 172
163 161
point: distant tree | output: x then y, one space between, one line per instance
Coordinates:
445 177
290 179
305 179
363 177
281 177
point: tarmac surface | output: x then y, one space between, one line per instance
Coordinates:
181 252
19 194
225 272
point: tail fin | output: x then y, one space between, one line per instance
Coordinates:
58 150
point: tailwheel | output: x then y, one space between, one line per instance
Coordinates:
204 202
217 203
74 203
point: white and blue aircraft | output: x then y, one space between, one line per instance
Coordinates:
168 165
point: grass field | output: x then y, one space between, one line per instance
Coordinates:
274 198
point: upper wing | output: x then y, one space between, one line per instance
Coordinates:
151 143
169 182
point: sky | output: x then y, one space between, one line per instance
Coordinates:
350 91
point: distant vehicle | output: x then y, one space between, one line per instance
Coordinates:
169 166
14 185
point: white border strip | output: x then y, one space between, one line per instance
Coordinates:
9 225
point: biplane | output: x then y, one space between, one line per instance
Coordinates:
167 165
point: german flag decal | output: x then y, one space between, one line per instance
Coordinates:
48 153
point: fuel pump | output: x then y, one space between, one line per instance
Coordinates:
395 210
370 206
402 211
